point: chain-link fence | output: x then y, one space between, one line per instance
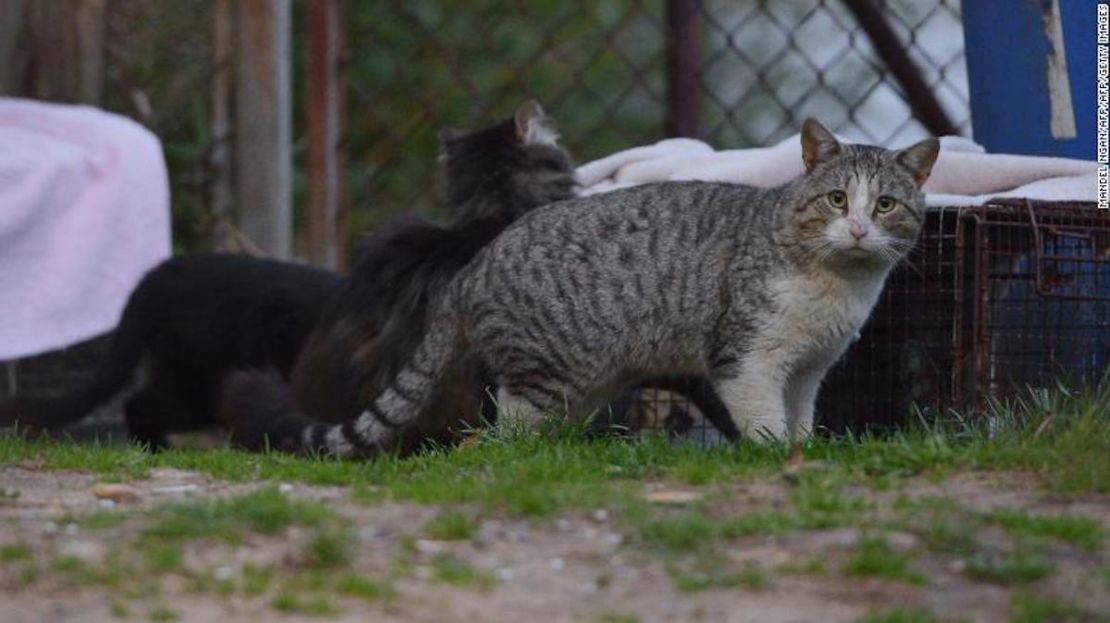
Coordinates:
615 73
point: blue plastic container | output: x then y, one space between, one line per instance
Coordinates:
1031 71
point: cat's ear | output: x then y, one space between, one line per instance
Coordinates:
533 127
818 144
919 159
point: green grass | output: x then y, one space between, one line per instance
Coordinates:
364 588
899 615
164 614
266 511
1018 567
15 552
453 570
874 557
255 580
291 601
164 557
1084 532
616 617
1030 608
96 520
451 525
330 549
712 573
1063 437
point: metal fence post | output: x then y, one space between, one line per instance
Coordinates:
684 45
264 125
327 218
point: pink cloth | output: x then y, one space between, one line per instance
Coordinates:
84 213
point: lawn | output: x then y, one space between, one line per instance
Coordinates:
993 518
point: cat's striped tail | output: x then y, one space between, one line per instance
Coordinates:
256 406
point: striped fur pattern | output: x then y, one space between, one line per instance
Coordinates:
761 290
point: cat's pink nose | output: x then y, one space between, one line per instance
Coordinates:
858 231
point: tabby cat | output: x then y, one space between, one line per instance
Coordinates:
760 289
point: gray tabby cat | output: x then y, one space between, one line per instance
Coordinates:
761 290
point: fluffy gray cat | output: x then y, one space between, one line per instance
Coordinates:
760 290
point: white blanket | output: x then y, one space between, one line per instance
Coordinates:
84 213
963 174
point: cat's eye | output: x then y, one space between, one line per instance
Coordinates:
885 204
838 199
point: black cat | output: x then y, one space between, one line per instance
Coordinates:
189 321
380 314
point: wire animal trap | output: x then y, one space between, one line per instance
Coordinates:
993 299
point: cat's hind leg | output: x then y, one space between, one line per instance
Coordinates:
516 412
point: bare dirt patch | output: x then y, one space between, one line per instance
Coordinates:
583 565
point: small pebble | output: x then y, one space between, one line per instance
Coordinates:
564 524
557 564
177 489
50 527
426 546
224 573
369 532
106 503
600 515
285 488
72 529
85 551
503 574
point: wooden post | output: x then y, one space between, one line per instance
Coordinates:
13 46
327 216
67 50
263 121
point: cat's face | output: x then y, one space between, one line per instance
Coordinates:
859 204
520 155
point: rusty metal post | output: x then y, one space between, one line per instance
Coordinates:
222 41
327 216
925 105
264 125
684 45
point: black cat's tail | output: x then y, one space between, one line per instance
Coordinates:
258 409
120 374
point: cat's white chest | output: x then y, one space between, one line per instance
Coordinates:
817 317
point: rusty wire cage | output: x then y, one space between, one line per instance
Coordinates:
994 299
